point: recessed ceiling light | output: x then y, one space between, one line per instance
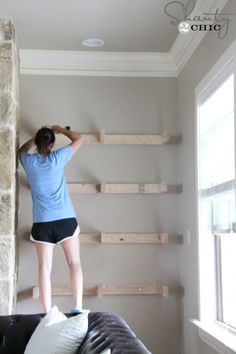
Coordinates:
93 42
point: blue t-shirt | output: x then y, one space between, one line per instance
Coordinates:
51 200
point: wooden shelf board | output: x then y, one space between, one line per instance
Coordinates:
134 238
125 238
123 188
122 139
110 289
130 238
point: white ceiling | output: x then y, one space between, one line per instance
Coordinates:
124 25
139 38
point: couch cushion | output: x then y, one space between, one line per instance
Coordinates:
15 332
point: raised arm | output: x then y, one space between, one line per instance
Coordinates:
76 138
27 146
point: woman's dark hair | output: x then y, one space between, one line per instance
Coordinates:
43 139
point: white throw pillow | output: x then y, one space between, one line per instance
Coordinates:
57 334
106 351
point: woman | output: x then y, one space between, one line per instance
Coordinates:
54 218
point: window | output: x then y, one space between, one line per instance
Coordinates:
216 201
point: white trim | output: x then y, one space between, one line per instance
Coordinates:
217 337
44 242
212 332
219 66
76 63
185 45
218 188
76 233
123 64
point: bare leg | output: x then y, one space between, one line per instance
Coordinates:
45 254
71 249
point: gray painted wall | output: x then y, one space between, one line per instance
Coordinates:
206 55
128 105
125 105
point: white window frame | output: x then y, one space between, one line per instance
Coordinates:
214 333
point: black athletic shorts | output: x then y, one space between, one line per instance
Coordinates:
54 231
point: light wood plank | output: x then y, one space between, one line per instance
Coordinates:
125 238
134 289
62 140
64 290
122 139
83 188
132 238
134 188
123 188
90 238
110 289
128 139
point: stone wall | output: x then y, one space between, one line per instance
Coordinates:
9 118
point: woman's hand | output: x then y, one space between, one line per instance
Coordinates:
47 126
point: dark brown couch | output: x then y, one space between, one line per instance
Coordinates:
105 331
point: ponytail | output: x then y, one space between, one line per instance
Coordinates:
43 139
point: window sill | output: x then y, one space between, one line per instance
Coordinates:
216 336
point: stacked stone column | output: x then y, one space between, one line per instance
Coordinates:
9 118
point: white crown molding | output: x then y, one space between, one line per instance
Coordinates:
76 63
132 64
185 44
